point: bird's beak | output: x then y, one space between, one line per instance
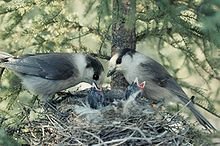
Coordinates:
99 88
142 85
111 72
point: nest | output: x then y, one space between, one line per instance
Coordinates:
77 124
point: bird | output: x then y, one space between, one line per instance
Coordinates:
159 83
96 98
45 74
131 104
135 89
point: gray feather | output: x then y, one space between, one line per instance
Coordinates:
160 77
3 58
56 66
96 65
202 120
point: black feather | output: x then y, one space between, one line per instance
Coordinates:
95 64
130 52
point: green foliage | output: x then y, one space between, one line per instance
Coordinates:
189 28
43 26
6 140
192 27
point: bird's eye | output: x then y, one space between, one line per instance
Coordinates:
95 77
118 61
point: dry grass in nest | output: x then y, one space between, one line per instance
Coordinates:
111 128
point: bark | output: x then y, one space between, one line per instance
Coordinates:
123 33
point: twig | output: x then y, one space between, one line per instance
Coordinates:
54 122
181 109
99 139
122 140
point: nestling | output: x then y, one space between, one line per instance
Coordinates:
96 97
133 94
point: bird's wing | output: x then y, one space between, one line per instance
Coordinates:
155 72
56 66
158 74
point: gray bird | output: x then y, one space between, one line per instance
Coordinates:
159 83
49 73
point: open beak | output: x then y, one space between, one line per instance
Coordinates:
141 85
111 72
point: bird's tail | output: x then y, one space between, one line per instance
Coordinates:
4 57
202 120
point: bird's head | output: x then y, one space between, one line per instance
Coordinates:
134 89
96 97
92 71
120 61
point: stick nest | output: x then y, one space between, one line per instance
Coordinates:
77 124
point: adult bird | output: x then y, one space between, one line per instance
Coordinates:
46 74
159 83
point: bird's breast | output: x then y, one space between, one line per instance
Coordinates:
42 86
131 74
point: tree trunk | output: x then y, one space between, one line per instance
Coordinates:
123 33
